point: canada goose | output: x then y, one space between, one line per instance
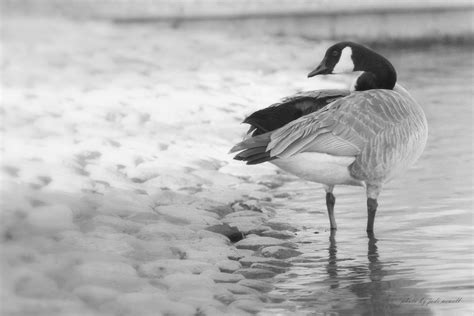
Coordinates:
363 136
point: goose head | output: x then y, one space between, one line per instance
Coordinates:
347 57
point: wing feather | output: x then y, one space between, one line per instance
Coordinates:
360 124
289 109
342 128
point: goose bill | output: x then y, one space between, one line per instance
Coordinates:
322 69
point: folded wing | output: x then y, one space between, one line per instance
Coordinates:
341 128
289 109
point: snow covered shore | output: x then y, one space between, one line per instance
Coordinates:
114 164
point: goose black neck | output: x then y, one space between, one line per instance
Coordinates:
378 72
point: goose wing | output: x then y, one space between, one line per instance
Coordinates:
290 109
342 128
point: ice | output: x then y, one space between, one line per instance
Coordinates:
220 277
119 224
35 285
193 286
54 217
231 232
228 266
115 161
239 289
279 252
188 214
249 260
258 285
269 267
115 275
167 231
256 273
255 242
147 304
161 268
249 305
278 234
152 250
95 295
124 203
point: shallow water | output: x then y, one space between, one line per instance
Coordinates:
422 253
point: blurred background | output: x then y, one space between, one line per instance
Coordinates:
380 20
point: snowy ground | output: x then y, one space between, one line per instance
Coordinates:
114 163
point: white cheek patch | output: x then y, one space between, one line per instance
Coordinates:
352 87
345 63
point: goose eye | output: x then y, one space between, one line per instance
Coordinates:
335 53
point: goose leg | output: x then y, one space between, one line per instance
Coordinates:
372 194
371 209
330 202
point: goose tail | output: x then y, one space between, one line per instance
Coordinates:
253 150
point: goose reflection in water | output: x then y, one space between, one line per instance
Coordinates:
364 285
361 289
